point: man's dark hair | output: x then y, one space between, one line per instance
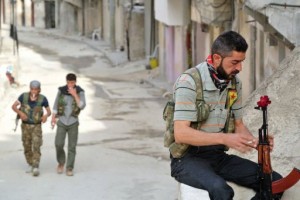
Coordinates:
227 42
71 77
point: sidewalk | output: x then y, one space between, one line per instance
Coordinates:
117 59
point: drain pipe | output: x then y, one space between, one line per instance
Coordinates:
127 30
253 31
283 5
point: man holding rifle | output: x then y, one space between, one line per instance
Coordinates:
205 164
30 109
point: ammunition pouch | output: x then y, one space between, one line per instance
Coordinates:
178 150
203 110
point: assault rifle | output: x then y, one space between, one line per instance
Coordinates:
16 122
267 187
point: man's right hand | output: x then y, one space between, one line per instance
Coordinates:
53 122
23 116
240 142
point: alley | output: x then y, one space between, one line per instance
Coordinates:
120 153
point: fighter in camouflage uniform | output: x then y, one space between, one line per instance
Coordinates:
29 108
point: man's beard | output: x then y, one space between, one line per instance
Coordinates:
223 75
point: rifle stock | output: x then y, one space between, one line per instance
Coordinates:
267 187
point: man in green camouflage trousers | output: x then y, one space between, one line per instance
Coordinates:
29 108
32 141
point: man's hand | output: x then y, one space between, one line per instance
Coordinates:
44 118
53 122
23 116
72 91
271 141
240 142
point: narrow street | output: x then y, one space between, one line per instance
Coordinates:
120 154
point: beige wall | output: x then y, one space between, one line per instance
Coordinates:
92 17
106 22
161 56
136 34
39 14
172 12
121 18
265 61
27 7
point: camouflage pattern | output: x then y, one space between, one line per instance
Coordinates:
34 114
230 127
178 150
61 107
168 116
32 141
231 99
76 110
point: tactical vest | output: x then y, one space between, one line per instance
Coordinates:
178 150
62 104
35 114
203 109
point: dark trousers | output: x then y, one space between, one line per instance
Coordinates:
209 168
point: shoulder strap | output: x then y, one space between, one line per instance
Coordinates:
195 74
25 98
233 82
40 100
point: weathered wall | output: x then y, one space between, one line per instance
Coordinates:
28 13
39 14
121 18
92 17
68 21
264 54
172 12
278 16
136 35
283 117
201 44
121 21
106 21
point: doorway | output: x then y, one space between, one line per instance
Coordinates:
50 14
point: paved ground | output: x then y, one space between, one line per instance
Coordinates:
120 151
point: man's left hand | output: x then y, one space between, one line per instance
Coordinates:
271 141
44 118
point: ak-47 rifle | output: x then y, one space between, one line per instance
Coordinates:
16 122
267 187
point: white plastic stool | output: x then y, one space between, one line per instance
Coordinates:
186 192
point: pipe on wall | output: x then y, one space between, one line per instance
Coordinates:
253 32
